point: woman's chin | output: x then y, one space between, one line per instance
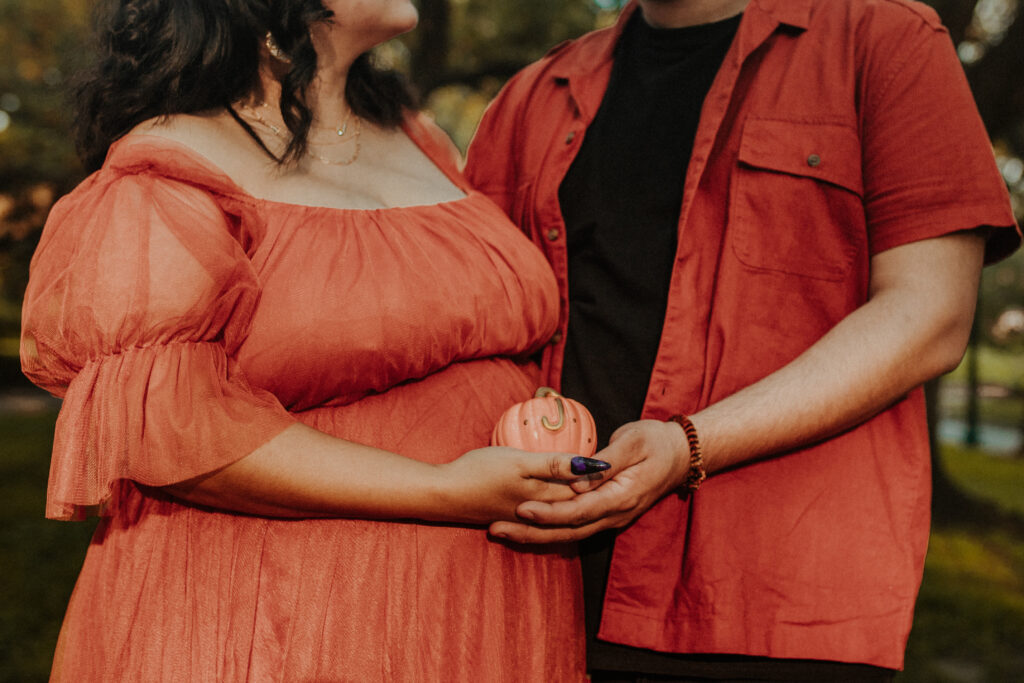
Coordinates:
406 20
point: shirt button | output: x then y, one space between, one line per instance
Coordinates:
556 338
553 234
570 137
813 160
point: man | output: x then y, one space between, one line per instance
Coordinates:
768 216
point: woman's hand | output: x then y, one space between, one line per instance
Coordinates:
649 458
306 473
488 484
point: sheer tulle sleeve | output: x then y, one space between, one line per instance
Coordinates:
138 299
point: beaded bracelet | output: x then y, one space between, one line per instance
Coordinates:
697 472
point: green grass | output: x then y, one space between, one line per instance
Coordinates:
39 559
10 316
999 480
995 366
1007 412
9 346
970 612
969 621
1000 367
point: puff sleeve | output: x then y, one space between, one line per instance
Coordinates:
138 300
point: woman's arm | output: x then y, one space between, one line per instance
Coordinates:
305 473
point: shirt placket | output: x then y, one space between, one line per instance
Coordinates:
677 378
582 102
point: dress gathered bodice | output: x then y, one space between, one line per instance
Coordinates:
355 302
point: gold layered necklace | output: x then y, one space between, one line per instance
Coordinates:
341 131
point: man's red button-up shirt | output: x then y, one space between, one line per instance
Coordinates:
835 129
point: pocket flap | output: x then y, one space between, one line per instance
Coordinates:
821 150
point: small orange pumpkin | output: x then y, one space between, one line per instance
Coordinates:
549 422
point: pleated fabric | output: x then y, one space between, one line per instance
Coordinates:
185 323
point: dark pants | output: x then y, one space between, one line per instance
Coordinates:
846 673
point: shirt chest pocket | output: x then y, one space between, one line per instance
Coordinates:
796 199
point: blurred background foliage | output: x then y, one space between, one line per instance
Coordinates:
970 618
458 59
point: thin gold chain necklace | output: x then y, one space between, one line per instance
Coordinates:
340 130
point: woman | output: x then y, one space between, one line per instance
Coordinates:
276 314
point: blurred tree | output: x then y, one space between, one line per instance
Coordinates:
1001 316
458 58
461 54
42 39
466 42
989 36
42 42
464 50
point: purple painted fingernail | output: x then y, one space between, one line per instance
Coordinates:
581 465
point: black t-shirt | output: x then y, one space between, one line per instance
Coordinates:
621 201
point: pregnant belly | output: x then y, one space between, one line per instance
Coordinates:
435 419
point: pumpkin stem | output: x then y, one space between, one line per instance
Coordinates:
546 423
544 392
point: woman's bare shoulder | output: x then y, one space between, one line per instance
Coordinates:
191 130
215 136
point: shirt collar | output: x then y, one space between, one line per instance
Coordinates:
600 49
795 13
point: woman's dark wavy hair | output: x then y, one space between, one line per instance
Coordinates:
162 57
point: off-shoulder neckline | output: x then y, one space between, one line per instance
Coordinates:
222 183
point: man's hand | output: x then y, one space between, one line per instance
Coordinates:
913 327
649 458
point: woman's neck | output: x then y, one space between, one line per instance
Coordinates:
325 97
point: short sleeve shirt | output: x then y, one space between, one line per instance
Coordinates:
835 130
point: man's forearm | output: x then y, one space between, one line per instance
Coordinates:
914 327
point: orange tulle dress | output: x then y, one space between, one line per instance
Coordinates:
186 323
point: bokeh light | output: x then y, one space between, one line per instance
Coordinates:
10 102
